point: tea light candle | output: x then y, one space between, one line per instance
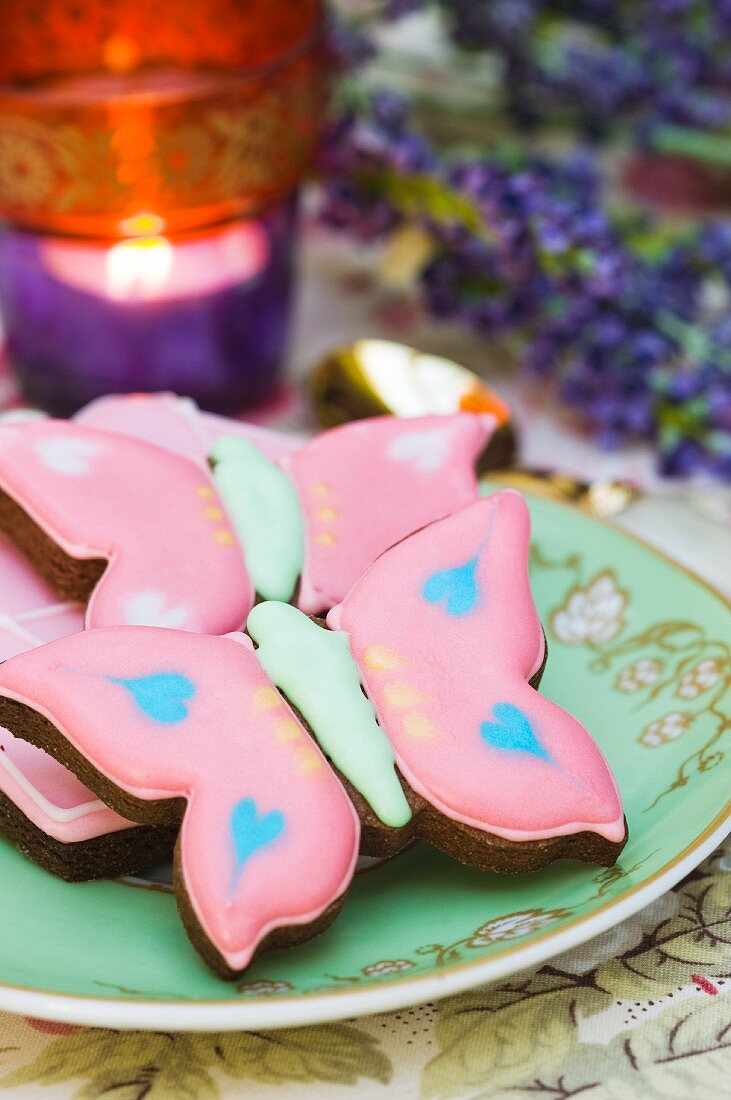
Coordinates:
178 134
205 316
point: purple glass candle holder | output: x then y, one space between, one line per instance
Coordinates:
204 316
149 155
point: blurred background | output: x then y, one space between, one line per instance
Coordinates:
215 197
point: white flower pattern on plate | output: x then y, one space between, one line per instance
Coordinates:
592 614
264 986
668 728
388 966
701 678
514 925
641 674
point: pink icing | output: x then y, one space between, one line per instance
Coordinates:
369 484
262 753
435 677
178 425
30 612
47 793
173 558
362 486
51 796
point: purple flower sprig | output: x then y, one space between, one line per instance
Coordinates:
613 312
658 64
661 67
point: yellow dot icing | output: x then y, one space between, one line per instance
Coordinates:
418 725
381 658
265 698
286 729
213 512
205 491
327 515
400 693
224 538
321 490
308 760
326 538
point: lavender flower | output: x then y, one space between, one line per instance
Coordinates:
659 62
528 249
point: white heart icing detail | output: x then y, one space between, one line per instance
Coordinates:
424 451
149 609
66 456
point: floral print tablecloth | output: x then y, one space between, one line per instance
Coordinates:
643 1012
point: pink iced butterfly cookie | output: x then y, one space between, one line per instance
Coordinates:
177 424
194 733
446 642
44 808
312 522
139 532
421 695
309 517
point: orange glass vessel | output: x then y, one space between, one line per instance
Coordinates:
192 112
161 122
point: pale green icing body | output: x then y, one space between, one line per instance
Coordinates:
265 513
315 669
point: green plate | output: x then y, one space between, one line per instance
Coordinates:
638 650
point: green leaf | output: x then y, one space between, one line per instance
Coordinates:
501 1038
132 1065
698 936
417 194
337 1053
137 1064
715 148
682 1053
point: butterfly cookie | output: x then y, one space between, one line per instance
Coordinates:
412 713
137 533
312 522
442 635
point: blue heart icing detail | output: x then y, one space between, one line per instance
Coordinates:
512 732
456 588
161 695
251 831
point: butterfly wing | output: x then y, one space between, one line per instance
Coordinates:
445 632
42 789
366 485
269 838
173 558
177 424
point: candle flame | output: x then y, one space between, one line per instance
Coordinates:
139 268
143 225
